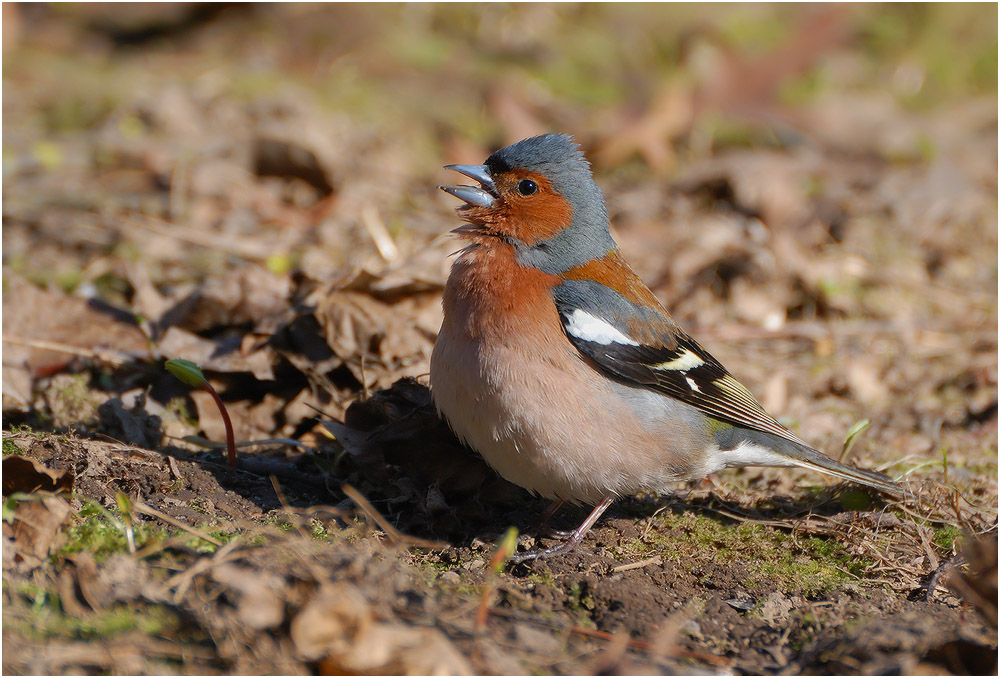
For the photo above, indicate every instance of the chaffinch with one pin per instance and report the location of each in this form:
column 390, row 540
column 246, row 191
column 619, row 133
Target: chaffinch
column 560, row 367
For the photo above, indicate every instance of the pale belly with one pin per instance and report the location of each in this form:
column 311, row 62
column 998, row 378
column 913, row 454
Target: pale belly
column 559, row 430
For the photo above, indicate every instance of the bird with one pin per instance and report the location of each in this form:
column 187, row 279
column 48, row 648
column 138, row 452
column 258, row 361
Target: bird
column 559, row 366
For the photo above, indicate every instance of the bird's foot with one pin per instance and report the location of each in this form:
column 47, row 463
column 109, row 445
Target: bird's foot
column 572, row 539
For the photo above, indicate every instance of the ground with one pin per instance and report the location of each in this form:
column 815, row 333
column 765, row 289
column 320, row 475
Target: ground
column 812, row 191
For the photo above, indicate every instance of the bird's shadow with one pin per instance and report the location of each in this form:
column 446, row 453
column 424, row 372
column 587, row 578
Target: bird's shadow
column 409, row 465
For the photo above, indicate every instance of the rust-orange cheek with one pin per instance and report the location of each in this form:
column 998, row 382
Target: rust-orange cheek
column 539, row 217
column 529, row 219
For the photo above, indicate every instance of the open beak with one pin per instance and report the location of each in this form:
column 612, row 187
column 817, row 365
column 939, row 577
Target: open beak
column 481, row 197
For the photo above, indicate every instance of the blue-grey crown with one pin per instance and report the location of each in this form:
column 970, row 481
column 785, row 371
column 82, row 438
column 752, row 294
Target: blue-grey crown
column 559, row 158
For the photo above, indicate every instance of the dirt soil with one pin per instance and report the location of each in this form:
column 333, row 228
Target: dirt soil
column 812, row 191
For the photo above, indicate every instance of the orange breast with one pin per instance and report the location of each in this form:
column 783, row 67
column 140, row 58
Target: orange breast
column 489, row 296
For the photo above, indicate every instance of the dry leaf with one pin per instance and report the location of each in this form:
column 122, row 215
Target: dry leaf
column 215, row 356
column 31, row 314
column 337, row 627
column 247, row 295
column 92, row 589
column 258, row 604
column 377, row 341
column 21, row 474
column 34, row 532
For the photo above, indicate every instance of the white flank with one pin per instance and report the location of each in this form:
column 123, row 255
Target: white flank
column 694, row 386
column 749, row 454
column 586, row 327
column 685, row 361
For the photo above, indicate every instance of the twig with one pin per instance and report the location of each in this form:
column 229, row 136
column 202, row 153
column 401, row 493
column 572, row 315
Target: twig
column 214, row 445
column 172, row 463
column 604, row 635
column 386, row 526
column 847, row 572
column 150, row 511
column 655, row 560
column 932, row 558
column 379, row 233
column 941, row 569
column 284, row 504
column 113, row 358
column 183, row 580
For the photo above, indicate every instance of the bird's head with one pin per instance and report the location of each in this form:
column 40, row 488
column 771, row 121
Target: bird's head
column 539, row 196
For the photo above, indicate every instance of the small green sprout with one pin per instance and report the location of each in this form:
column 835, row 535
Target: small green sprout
column 189, row 373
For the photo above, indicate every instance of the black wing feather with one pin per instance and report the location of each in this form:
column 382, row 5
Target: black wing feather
column 704, row 384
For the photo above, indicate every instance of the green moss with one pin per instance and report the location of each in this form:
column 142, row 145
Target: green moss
column 281, row 522
column 201, row 505
column 102, row 534
column 773, row 558
column 432, row 572
column 945, row 537
column 10, row 448
column 580, row 598
column 225, row 536
column 321, row 531
column 48, row 619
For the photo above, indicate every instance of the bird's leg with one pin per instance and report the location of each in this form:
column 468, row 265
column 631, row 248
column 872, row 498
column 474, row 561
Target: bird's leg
column 574, row 539
column 542, row 526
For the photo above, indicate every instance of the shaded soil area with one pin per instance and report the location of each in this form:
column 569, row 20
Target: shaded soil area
column 272, row 580
column 811, row 191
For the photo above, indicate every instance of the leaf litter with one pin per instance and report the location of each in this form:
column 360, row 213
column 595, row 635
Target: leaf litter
column 840, row 253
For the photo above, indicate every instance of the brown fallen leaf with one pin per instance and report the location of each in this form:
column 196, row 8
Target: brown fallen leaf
column 21, row 474
column 246, row 295
column 34, row 532
column 65, row 329
column 376, row 340
column 214, row 356
column 338, row 629
column 90, row 587
column 58, row 317
column 260, row 603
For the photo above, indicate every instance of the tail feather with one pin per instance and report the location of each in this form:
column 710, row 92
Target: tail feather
column 811, row 459
column 746, row 447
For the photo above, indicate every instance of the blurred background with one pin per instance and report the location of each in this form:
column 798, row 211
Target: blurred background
column 235, row 119
column 252, row 180
column 207, row 168
column 763, row 164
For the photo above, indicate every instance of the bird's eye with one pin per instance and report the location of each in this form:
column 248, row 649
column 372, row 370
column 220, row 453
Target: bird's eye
column 527, row 187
